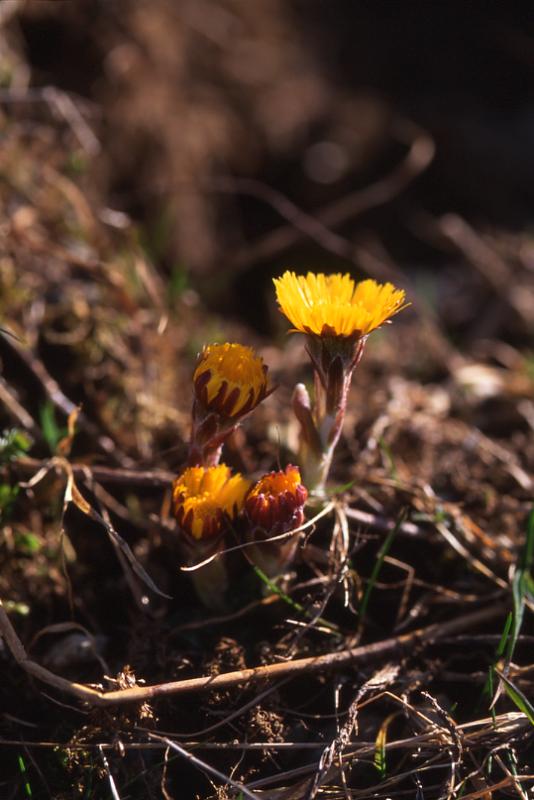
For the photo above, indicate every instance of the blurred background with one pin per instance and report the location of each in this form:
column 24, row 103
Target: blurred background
column 241, row 138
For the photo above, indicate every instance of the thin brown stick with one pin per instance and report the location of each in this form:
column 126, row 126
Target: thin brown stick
column 205, row 767
column 17, row 410
column 488, row 791
column 336, row 660
column 152, row 479
column 383, row 524
column 66, row 104
column 488, row 263
column 503, row 725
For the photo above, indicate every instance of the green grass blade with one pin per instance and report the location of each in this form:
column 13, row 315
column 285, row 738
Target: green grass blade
column 501, row 647
column 489, row 686
column 24, row 772
column 384, row 550
column 521, row 585
column 527, row 557
column 517, row 697
column 380, row 745
column 52, row 432
column 289, row 600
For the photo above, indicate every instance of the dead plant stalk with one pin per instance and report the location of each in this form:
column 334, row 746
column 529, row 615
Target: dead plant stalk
column 335, row 660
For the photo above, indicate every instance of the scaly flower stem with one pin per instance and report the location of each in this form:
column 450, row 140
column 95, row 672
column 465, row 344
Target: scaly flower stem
column 211, row 584
column 206, row 455
column 334, row 361
column 316, row 465
column 274, row 557
column 208, row 434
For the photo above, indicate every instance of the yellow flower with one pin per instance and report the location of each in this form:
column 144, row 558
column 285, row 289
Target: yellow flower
column 334, row 305
column 204, row 497
column 230, row 379
column 276, row 501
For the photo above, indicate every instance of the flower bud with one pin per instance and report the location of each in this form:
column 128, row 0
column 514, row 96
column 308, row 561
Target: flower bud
column 229, row 380
column 275, row 505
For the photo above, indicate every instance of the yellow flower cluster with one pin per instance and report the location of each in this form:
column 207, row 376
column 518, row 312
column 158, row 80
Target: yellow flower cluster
column 230, row 380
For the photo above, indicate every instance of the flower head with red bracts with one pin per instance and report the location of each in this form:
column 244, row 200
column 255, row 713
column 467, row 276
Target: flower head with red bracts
column 204, row 498
column 230, row 380
column 276, row 502
column 337, row 315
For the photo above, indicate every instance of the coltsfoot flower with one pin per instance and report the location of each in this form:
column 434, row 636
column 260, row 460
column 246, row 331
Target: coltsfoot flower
column 337, row 315
column 205, row 497
column 275, row 505
column 230, row 379
column 334, row 305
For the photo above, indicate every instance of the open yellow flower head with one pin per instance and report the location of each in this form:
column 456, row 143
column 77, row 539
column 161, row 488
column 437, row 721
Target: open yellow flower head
column 276, row 502
column 203, row 497
column 230, row 379
column 334, row 305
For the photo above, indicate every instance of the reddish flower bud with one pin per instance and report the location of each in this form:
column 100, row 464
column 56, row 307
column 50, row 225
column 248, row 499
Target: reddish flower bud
column 276, row 502
column 275, row 505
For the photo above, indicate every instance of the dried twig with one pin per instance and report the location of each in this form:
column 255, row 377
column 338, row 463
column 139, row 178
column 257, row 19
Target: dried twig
column 336, row 660
column 66, row 105
column 383, row 524
column 17, row 410
column 204, row 767
column 334, row 751
column 139, row 478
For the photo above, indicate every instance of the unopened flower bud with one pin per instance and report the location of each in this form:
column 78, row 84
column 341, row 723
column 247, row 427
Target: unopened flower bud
column 275, row 505
column 229, row 381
